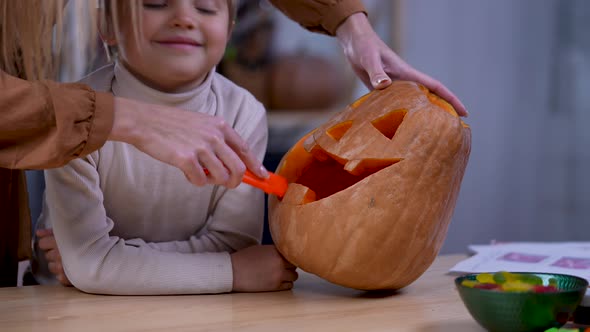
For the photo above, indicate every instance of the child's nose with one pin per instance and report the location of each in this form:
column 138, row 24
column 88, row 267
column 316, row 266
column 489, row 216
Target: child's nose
column 182, row 16
column 183, row 21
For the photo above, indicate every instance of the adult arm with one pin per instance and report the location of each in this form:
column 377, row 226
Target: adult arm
column 375, row 63
column 45, row 124
column 323, row 16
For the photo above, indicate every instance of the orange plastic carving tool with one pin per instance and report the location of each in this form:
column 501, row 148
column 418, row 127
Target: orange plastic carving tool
column 274, row 184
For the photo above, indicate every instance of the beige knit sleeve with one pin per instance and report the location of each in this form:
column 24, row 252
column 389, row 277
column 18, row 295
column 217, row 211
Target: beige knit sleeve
column 97, row 262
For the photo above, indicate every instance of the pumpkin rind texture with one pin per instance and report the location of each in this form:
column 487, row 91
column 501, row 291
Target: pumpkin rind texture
column 372, row 191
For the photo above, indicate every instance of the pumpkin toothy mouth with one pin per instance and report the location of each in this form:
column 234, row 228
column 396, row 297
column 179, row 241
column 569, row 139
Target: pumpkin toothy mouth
column 328, row 177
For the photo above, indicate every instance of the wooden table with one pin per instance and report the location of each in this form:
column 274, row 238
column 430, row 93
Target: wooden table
column 429, row 304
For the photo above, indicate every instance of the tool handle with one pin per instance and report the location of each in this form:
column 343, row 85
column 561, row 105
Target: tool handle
column 274, row 184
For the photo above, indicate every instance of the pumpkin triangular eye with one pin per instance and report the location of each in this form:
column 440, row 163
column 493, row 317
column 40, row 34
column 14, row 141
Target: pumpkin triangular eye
column 389, row 123
column 338, row 131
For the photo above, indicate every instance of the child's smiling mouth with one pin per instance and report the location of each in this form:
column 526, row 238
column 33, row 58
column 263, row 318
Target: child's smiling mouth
column 179, row 43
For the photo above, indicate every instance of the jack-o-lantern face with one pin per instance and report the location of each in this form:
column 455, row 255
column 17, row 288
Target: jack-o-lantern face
column 372, row 191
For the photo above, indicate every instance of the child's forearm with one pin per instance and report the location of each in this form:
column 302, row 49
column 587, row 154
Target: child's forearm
column 96, row 262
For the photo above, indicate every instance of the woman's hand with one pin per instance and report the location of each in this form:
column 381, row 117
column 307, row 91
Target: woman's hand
column 189, row 141
column 261, row 269
column 47, row 243
column 376, row 64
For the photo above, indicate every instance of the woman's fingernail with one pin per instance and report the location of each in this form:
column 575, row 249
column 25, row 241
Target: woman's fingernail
column 381, row 80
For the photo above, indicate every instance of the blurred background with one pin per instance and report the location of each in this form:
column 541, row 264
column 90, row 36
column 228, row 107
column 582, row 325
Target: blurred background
column 522, row 68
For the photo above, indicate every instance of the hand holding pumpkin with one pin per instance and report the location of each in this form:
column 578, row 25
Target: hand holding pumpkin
column 261, row 269
column 376, row 64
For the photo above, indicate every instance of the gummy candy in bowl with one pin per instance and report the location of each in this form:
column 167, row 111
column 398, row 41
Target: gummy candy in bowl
column 520, row 301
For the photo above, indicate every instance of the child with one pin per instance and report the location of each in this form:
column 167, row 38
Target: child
column 129, row 224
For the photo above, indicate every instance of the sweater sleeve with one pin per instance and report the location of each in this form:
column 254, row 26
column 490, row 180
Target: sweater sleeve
column 322, row 16
column 97, row 262
column 44, row 124
column 235, row 215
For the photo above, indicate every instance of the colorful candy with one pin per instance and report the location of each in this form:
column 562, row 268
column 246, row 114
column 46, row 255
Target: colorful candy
column 512, row 282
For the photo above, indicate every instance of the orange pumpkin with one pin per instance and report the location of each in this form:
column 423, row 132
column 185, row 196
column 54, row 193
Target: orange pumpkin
column 372, row 191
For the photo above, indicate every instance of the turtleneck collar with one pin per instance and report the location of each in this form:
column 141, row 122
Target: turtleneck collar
column 199, row 99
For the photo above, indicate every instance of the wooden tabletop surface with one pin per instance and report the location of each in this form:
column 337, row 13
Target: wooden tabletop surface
column 429, row 304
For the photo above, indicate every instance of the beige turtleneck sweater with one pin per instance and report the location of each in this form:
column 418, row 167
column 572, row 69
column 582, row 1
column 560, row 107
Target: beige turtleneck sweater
column 128, row 224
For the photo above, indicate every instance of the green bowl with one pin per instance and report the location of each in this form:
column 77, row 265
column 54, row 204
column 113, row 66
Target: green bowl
column 523, row 311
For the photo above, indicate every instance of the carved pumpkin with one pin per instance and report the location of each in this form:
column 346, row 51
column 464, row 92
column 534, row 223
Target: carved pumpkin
column 371, row 192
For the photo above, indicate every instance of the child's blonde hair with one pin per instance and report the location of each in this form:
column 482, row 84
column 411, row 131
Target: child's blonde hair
column 31, row 32
column 26, row 36
column 29, row 43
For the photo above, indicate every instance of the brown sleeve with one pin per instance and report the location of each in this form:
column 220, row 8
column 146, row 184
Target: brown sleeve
column 44, row 124
column 322, row 16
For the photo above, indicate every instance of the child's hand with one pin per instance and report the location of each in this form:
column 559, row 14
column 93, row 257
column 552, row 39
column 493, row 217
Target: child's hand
column 49, row 246
column 261, row 269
